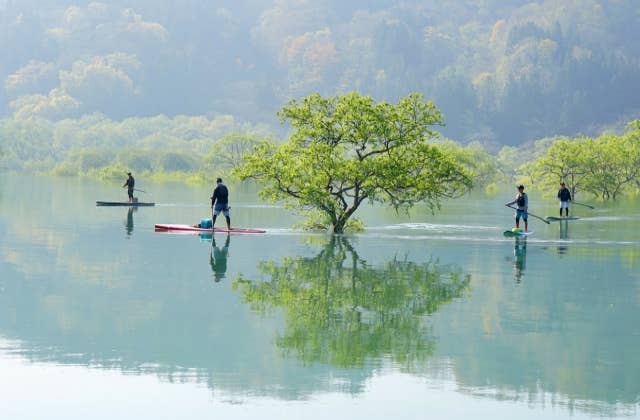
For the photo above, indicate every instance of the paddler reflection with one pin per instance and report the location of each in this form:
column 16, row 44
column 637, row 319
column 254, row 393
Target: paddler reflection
column 519, row 257
column 564, row 236
column 129, row 224
column 218, row 258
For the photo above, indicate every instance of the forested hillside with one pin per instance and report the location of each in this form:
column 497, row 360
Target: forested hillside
column 502, row 71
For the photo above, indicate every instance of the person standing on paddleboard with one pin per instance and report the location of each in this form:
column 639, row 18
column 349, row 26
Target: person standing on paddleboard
column 220, row 203
column 130, row 183
column 564, row 195
column 522, row 201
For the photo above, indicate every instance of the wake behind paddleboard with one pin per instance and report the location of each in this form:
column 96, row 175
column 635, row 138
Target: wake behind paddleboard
column 517, row 233
column 174, row 228
column 559, row 219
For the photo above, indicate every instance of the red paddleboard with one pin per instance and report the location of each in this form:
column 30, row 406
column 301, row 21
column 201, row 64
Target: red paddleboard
column 161, row 227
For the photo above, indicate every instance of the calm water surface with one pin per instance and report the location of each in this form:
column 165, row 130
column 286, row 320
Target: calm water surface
column 418, row 317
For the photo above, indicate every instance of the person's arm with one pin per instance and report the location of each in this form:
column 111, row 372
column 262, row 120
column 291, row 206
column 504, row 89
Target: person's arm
column 512, row 202
column 560, row 195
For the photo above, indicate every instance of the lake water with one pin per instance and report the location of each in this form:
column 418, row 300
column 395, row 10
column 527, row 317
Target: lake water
column 427, row 316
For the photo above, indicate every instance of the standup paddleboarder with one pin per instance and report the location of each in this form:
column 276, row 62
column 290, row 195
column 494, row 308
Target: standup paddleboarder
column 522, row 201
column 564, row 195
column 220, row 203
column 130, row 183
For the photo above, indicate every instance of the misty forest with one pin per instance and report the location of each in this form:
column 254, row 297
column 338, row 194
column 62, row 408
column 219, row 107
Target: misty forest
column 180, row 90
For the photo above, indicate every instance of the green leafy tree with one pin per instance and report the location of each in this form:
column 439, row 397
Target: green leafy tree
column 341, row 310
column 175, row 161
column 229, row 151
column 564, row 161
column 348, row 149
column 605, row 166
column 479, row 164
column 613, row 163
column 136, row 159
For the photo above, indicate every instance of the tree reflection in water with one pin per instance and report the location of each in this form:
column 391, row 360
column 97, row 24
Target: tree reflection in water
column 341, row 310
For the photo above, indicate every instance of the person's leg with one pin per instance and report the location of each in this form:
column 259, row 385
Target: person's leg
column 561, row 209
column 526, row 224
column 566, row 210
column 517, row 221
column 227, row 217
column 213, row 217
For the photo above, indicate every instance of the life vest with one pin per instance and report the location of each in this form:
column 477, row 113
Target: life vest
column 520, row 201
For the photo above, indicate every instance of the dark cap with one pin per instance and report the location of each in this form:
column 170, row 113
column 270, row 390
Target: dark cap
column 128, row 173
column 219, row 180
column 521, row 187
column 562, row 183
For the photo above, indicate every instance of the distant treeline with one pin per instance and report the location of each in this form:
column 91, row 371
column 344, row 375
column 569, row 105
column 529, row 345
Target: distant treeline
column 197, row 149
column 180, row 148
column 502, row 71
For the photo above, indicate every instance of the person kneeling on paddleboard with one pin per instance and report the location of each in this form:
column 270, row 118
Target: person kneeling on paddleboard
column 220, row 203
column 522, row 201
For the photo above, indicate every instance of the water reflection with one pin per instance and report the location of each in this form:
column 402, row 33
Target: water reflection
column 341, row 310
column 564, row 235
column 570, row 335
column 162, row 321
column 218, row 258
column 519, row 258
column 129, row 223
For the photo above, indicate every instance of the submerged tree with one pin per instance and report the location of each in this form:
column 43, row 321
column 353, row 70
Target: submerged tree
column 341, row 310
column 348, row 149
column 229, row 151
column 613, row 164
column 564, row 161
column 605, row 166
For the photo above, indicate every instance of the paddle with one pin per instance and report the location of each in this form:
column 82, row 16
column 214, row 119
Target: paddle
column 581, row 204
column 135, row 189
column 531, row 214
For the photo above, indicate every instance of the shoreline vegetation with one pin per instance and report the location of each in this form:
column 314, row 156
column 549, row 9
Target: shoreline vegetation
column 341, row 152
column 162, row 149
column 196, row 149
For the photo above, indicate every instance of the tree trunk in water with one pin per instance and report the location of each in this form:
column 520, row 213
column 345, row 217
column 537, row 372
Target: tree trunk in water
column 338, row 226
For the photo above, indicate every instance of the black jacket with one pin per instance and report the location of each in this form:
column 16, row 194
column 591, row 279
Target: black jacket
column 564, row 194
column 220, row 195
